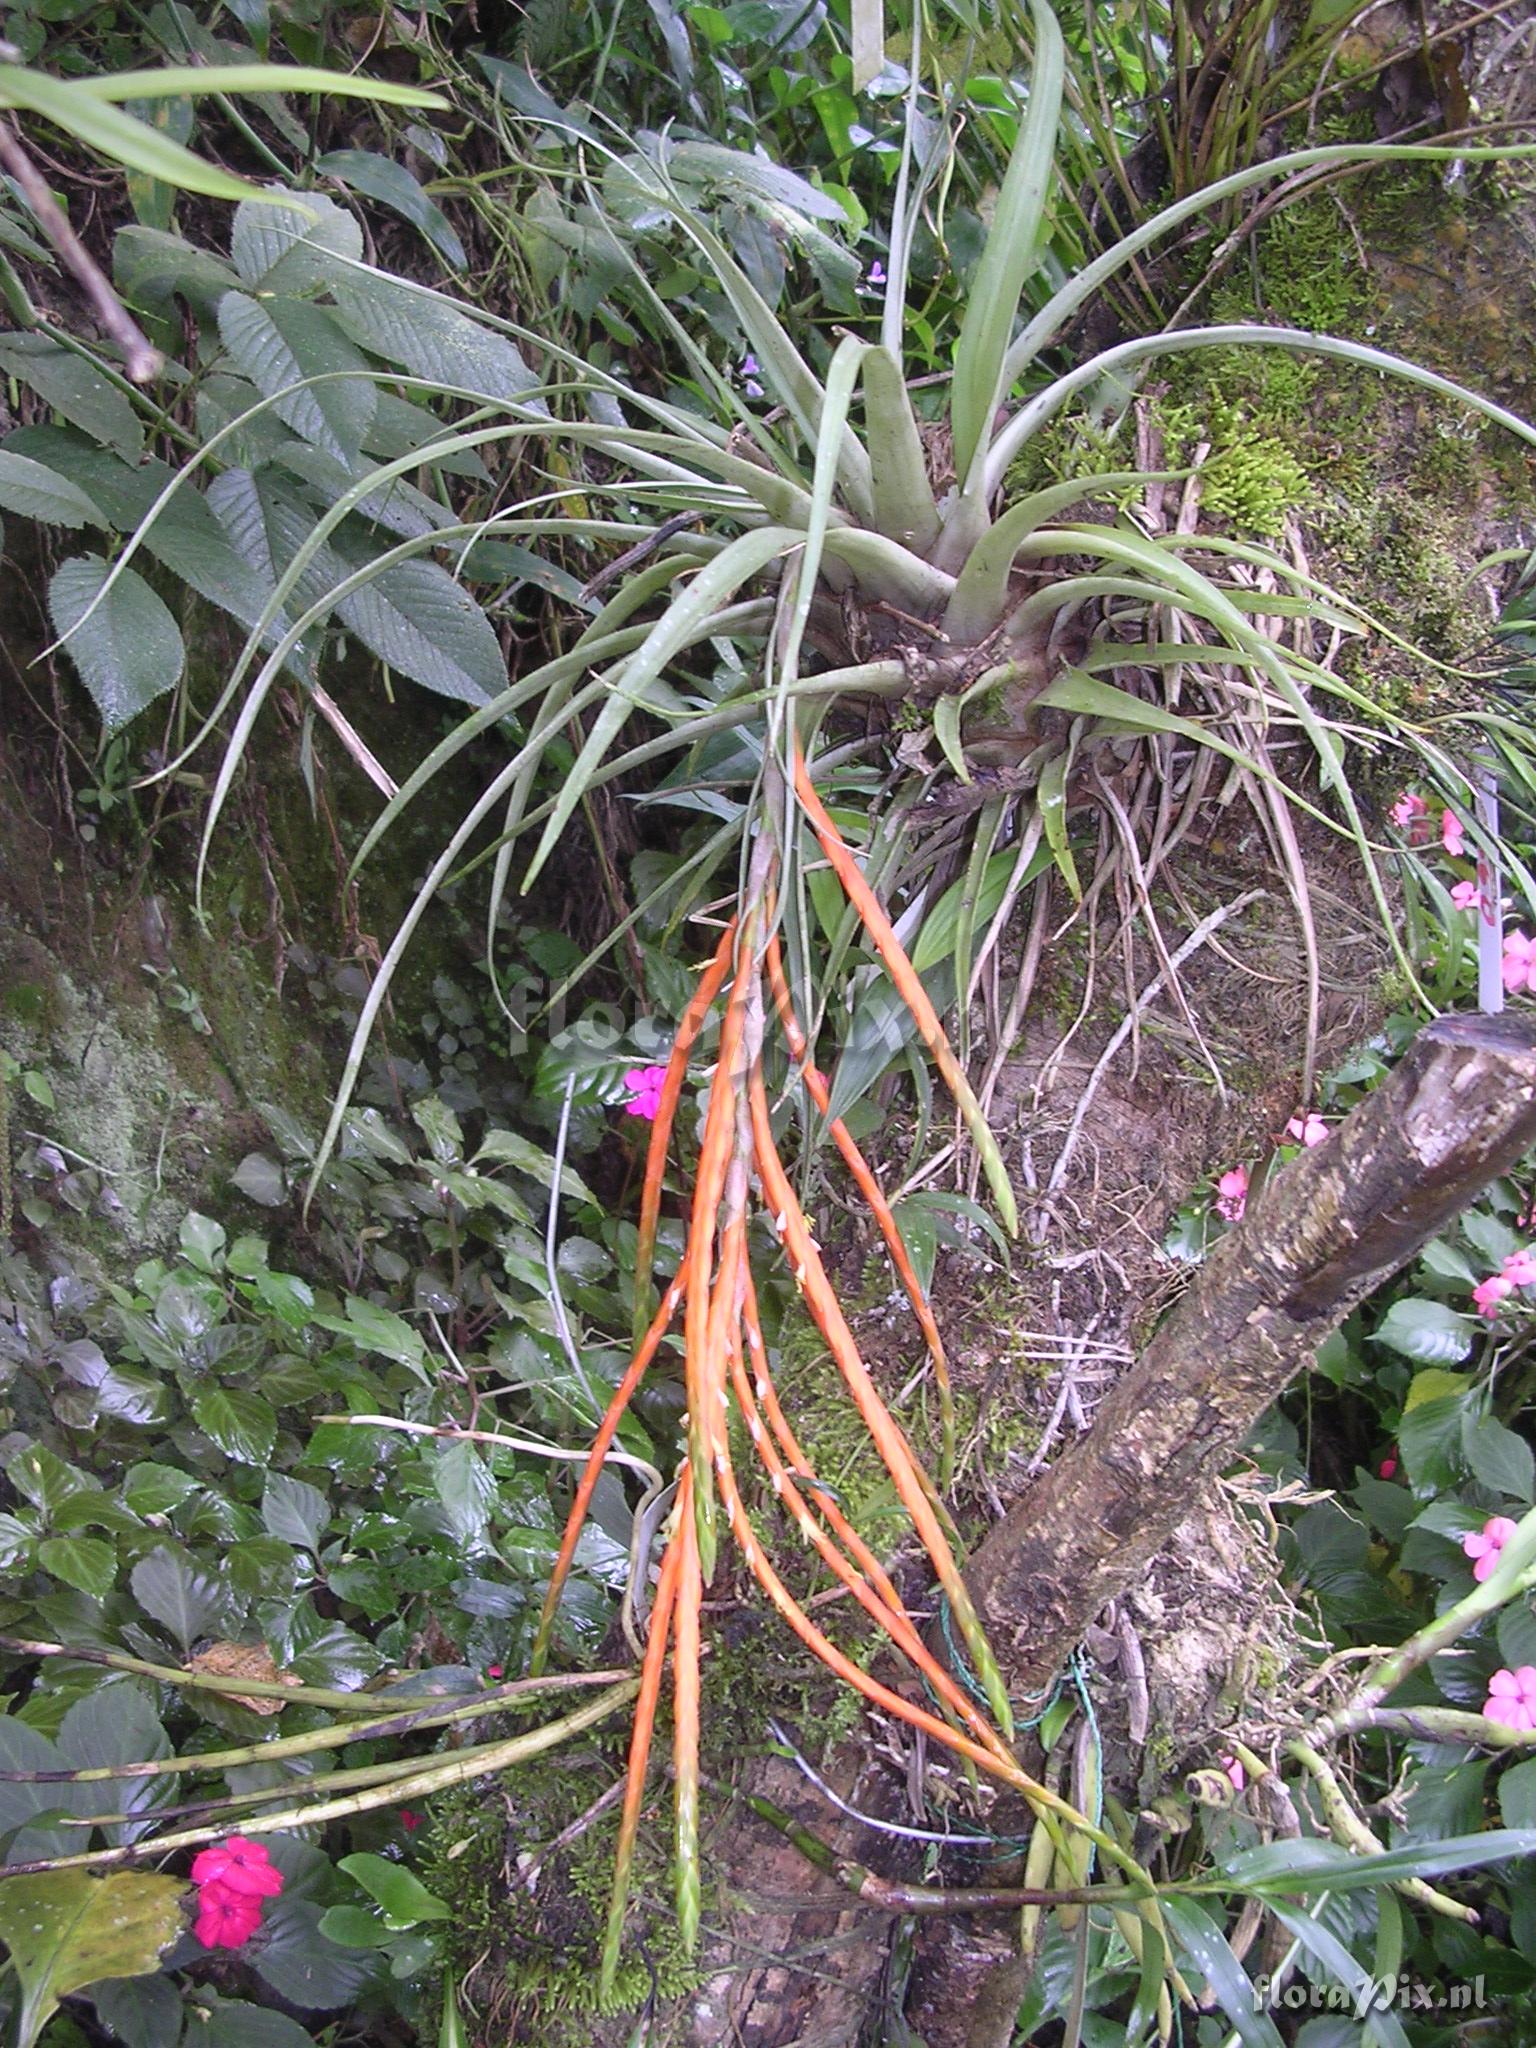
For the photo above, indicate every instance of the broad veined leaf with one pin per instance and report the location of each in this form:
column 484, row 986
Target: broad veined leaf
column 128, row 651
column 87, row 1563
column 291, row 246
column 214, row 2022
column 76, row 390
column 152, row 269
column 178, row 1594
column 66, row 1929
column 397, row 506
column 300, row 1964
column 294, row 1511
column 37, row 492
column 277, row 342
column 1426, row 1331
column 414, row 616
column 428, row 338
column 381, row 178
column 510, row 1148
column 242, row 1424
column 141, row 2012
column 186, row 535
column 267, row 521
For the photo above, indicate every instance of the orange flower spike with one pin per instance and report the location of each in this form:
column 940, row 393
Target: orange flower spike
column 811, row 1278
column 887, row 1613
column 874, row 1195
column 821, row 1499
column 910, row 989
column 992, row 1756
column 607, row 1429
column 689, row 1027
column 640, row 1734
column 685, row 1726
column 715, row 1151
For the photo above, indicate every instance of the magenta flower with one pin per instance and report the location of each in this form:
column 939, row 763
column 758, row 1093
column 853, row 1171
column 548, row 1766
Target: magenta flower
column 1511, row 1698
column 1519, row 1270
column 874, row 278
column 232, row 1879
column 1232, row 1194
column 1307, row 1129
column 1519, row 964
column 1453, row 834
column 1234, row 1772
column 1408, row 810
column 1485, row 1545
column 644, row 1085
column 1464, row 895
column 1387, row 1469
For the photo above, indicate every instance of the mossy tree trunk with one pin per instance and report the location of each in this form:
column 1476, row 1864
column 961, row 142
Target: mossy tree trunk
column 1455, row 1112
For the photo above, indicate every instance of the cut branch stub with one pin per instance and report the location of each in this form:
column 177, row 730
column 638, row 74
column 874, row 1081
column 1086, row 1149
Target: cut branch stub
column 1458, row 1110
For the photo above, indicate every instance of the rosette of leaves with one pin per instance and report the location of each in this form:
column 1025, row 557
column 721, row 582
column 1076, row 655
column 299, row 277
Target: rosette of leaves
column 844, row 550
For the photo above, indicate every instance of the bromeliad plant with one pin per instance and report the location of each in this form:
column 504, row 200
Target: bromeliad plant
column 846, row 553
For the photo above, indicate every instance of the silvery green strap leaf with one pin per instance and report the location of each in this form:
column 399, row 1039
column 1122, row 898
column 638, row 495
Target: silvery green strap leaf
column 128, row 651
column 107, row 131
column 1382, row 2025
column 1199, row 1938
column 715, row 583
column 898, row 468
column 981, row 588
column 868, row 42
column 1031, row 417
column 841, row 375
column 1080, row 288
column 1011, row 252
column 188, row 81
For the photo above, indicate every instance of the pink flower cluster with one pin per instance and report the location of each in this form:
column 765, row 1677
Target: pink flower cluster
column 1512, row 1698
column 1232, row 1194
column 644, row 1085
column 232, row 1879
column 1411, row 815
column 1519, row 1271
column 1485, row 1546
column 1307, row 1129
column 1519, row 964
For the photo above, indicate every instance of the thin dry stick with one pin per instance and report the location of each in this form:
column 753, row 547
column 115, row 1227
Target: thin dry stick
column 142, row 361
column 1149, row 994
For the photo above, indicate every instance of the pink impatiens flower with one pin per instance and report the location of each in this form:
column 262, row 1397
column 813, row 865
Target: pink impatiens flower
column 1307, row 1129
column 1387, row 1469
column 1519, row 1270
column 1485, row 1545
column 1519, row 964
column 1453, row 834
column 1511, row 1698
column 644, row 1085
column 1232, row 1194
column 232, row 1879
column 1464, row 895
column 1408, row 809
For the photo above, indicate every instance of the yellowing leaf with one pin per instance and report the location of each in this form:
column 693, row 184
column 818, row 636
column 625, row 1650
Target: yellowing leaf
column 65, row 1929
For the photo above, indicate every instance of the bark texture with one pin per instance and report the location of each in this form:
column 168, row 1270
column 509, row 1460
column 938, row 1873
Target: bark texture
column 1457, row 1110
